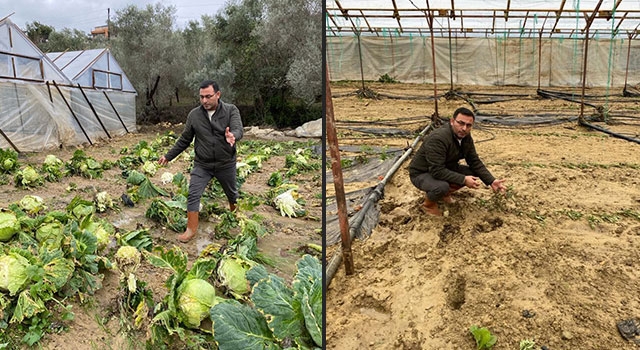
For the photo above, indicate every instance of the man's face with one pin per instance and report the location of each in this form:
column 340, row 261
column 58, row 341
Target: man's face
column 209, row 98
column 461, row 125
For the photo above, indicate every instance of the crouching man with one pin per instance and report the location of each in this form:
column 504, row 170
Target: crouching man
column 435, row 168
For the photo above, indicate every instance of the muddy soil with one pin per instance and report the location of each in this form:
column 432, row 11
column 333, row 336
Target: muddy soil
column 555, row 261
column 97, row 321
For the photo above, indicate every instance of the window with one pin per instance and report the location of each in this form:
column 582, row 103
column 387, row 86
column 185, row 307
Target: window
column 21, row 67
column 106, row 80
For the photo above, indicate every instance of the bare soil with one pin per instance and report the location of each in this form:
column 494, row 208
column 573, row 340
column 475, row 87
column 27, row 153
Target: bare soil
column 555, row 261
column 97, row 323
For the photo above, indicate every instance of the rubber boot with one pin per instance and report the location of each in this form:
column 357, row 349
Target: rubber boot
column 192, row 227
column 430, row 207
column 232, row 206
column 447, row 197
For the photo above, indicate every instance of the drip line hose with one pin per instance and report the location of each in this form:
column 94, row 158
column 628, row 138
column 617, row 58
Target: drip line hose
column 614, row 134
column 372, row 199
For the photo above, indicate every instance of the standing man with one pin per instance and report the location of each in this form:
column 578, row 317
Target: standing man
column 435, row 168
column 216, row 126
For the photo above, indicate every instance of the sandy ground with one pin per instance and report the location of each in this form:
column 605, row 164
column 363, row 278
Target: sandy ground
column 556, row 260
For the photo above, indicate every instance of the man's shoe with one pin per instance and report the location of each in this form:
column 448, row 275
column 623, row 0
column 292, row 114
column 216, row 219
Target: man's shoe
column 192, row 227
column 448, row 199
column 430, row 208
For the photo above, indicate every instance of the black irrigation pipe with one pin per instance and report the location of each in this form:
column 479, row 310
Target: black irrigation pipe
column 614, row 134
column 389, row 123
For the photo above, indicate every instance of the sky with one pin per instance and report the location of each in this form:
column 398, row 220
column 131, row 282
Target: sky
column 88, row 14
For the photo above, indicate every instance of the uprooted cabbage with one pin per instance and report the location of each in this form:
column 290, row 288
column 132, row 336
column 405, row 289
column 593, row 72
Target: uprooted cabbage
column 195, row 298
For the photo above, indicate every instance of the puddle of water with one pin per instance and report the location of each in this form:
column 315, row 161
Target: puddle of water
column 372, row 313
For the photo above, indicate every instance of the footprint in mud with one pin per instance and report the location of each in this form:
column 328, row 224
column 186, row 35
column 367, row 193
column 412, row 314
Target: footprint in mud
column 447, row 234
column 488, row 225
column 455, row 291
column 410, row 339
column 373, row 300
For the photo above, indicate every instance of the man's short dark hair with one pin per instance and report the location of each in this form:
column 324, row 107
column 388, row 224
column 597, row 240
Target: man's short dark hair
column 205, row 84
column 465, row 111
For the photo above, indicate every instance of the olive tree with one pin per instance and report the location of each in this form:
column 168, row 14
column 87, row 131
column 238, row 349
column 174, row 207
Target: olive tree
column 148, row 49
column 294, row 27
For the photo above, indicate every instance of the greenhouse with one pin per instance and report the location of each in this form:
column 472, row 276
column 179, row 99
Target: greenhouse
column 47, row 105
column 553, row 89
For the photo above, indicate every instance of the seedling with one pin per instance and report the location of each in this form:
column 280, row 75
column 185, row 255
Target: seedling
column 484, row 338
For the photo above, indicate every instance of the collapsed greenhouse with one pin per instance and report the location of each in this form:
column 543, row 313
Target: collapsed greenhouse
column 554, row 89
column 59, row 99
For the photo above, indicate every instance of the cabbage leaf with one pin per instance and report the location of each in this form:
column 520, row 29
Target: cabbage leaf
column 237, row 326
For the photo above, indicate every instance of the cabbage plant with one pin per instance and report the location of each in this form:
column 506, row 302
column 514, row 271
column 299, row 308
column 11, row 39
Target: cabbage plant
column 195, row 298
column 53, row 168
column 32, row 204
column 282, row 313
column 13, row 272
column 190, row 295
column 28, row 177
column 9, row 226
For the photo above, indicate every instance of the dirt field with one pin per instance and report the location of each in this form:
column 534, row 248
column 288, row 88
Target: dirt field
column 97, row 323
column 555, row 261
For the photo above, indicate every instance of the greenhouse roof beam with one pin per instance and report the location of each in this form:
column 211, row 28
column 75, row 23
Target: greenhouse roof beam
column 397, row 17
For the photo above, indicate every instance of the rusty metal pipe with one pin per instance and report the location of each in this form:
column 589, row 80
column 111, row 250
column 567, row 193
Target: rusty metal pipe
column 338, row 182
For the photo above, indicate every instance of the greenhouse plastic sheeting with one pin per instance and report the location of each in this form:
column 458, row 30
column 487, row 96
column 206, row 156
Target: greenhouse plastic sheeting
column 35, row 117
column 483, row 61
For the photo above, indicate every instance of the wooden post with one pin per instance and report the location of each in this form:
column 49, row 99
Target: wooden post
column 336, row 169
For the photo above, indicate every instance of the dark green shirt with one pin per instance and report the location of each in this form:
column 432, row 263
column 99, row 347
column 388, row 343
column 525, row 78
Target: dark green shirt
column 211, row 147
column 439, row 156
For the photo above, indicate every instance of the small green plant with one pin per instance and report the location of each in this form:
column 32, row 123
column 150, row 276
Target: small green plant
column 484, row 338
column 527, row 344
column 386, row 78
column 572, row 214
column 345, row 163
column 384, row 154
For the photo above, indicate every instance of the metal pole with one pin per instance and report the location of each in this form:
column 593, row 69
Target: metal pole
column 336, row 169
column 361, row 70
column 72, row 112
column 626, row 72
column 434, row 118
column 584, row 76
column 450, row 55
column 539, row 57
column 371, row 200
column 93, row 110
column 115, row 110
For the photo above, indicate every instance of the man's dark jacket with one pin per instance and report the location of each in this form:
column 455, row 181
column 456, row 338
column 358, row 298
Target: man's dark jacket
column 211, row 147
column 439, row 156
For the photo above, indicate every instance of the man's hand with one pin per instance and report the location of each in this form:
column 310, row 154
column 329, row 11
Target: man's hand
column 471, row 181
column 498, row 185
column 163, row 161
column 231, row 138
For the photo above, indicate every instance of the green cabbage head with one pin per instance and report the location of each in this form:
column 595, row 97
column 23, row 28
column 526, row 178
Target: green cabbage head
column 195, row 298
column 9, row 225
column 50, row 235
column 233, row 275
column 32, row 204
column 13, row 272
